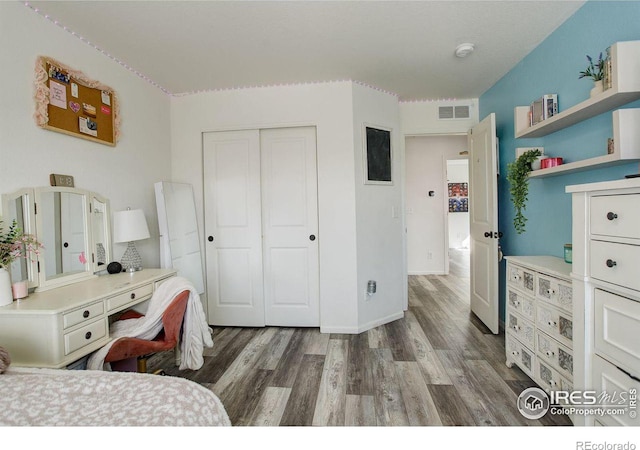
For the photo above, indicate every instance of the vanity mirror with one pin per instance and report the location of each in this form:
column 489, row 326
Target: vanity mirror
column 72, row 224
column 19, row 206
column 62, row 226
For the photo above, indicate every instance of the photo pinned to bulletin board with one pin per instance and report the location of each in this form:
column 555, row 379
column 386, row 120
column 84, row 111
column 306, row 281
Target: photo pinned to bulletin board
column 69, row 102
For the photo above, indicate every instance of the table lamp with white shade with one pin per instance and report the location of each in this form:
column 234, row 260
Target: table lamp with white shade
column 129, row 226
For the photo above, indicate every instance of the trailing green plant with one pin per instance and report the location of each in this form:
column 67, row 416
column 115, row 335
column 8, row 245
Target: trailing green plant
column 595, row 70
column 518, row 178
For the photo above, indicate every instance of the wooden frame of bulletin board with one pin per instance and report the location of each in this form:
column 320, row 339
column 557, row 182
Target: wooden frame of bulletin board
column 69, row 102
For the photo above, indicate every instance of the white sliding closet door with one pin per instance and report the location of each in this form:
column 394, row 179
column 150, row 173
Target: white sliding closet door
column 233, row 228
column 290, row 226
column 261, row 217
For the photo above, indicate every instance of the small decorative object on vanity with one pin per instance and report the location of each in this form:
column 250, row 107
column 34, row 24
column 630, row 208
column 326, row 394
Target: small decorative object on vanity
column 20, row 289
column 114, row 267
column 14, row 245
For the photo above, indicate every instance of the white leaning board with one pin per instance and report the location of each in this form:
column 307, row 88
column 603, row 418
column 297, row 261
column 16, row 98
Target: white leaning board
column 179, row 235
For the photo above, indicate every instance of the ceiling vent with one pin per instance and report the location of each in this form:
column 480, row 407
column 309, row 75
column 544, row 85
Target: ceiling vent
column 453, row 112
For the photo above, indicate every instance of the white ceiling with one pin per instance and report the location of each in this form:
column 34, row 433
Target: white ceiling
column 404, row 47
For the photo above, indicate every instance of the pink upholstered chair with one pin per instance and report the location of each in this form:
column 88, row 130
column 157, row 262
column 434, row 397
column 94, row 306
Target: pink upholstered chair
column 126, row 351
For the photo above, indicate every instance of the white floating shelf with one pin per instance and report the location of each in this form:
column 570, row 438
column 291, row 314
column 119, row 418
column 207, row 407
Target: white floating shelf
column 625, row 59
column 626, row 147
column 577, row 166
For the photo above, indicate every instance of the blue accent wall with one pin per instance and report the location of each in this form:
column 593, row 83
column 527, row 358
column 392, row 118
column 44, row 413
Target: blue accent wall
column 553, row 67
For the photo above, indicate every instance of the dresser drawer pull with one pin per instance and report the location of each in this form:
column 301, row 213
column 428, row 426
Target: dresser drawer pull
column 516, row 278
column 611, row 263
column 516, row 327
column 515, row 353
column 612, row 216
column 551, row 323
column 85, row 314
column 87, row 335
column 516, row 303
column 550, row 291
column 133, row 295
column 550, row 353
column 553, row 383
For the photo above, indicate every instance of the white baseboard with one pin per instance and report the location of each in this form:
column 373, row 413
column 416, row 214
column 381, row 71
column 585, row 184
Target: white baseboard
column 426, row 273
column 364, row 327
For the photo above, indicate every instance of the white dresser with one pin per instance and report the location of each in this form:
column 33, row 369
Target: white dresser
column 606, row 280
column 57, row 327
column 538, row 319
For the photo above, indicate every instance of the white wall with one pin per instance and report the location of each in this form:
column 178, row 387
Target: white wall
column 28, row 154
column 379, row 217
column 427, row 249
column 328, row 106
column 458, row 172
column 420, row 118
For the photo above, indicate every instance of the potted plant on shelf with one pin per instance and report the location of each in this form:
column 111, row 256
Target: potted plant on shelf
column 518, row 178
column 595, row 71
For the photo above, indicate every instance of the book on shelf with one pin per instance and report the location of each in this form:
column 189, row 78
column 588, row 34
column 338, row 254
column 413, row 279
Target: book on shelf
column 607, row 79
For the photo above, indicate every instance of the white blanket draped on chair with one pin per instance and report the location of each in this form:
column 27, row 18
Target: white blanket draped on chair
column 196, row 333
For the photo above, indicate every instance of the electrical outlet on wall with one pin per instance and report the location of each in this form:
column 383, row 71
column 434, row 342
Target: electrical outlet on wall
column 429, row 256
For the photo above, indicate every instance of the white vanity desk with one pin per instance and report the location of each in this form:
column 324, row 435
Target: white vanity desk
column 56, row 327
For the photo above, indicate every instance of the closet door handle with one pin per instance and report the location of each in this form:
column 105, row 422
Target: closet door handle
column 312, row 237
column 210, row 239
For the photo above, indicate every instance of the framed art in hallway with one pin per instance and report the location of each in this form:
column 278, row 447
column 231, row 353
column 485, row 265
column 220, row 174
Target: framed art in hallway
column 378, row 157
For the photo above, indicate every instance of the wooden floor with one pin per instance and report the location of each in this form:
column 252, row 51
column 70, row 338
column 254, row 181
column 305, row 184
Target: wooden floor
column 439, row 365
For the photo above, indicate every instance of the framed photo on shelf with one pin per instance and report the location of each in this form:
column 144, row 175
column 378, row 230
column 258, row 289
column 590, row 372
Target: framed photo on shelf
column 377, row 155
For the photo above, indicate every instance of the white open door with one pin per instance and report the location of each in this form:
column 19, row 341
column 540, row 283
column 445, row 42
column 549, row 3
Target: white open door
column 483, row 222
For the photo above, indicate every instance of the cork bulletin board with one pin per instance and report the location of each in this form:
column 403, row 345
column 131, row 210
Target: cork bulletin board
column 69, row 102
